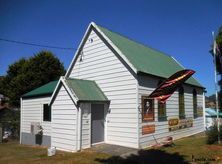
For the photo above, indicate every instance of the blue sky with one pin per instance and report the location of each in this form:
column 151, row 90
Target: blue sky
column 181, row 29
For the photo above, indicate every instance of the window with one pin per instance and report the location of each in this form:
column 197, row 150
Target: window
column 46, row 112
column 161, row 109
column 181, row 103
column 147, row 109
column 195, row 103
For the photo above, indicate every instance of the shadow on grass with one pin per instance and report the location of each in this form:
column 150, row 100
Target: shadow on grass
column 146, row 156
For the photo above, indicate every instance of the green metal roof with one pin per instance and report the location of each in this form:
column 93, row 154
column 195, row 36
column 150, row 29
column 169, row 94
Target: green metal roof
column 46, row 89
column 86, row 90
column 145, row 59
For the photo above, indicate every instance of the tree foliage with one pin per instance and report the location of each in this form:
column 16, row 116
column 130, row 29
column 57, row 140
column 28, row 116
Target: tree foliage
column 219, row 51
column 218, row 62
column 9, row 121
column 219, row 39
column 27, row 74
column 213, row 134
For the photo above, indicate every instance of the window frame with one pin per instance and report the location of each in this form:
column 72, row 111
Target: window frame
column 46, row 113
column 181, row 103
column 161, row 111
column 149, row 117
column 161, row 108
column 195, row 113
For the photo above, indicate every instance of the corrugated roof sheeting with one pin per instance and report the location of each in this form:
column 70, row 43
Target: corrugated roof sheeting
column 86, row 90
column 46, row 89
column 145, row 59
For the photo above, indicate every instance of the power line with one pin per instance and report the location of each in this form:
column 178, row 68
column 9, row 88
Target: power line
column 37, row 45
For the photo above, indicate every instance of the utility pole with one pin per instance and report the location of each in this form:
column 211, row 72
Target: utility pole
column 216, row 86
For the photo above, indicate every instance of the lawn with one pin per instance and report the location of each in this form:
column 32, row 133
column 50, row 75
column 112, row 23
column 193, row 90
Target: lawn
column 183, row 151
column 196, row 147
column 14, row 153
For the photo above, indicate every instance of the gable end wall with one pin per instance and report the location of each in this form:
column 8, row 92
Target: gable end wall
column 64, row 122
column 100, row 64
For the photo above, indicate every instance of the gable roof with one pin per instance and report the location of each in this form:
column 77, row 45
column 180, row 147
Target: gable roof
column 146, row 59
column 44, row 90
column 140, row 58
column 86, row 90
column 80, row 90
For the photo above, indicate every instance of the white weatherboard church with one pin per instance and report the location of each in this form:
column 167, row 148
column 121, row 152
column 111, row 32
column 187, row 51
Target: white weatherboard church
column 103, row 98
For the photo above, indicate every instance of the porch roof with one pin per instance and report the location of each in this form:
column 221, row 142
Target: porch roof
column 86, row 90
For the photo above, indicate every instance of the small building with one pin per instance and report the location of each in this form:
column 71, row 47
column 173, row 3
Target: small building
column 35, row 111
column 103, row 98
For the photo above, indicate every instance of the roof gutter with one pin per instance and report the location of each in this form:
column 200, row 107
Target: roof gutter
column 93, row 101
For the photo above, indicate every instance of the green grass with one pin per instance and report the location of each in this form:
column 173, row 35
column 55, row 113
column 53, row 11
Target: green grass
column 181, row 152
column 196, row 146
column 14, row 153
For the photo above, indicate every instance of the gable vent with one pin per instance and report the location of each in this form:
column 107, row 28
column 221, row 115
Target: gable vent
column 90, row 40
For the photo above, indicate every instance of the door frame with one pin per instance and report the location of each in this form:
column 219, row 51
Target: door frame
column 105, row 122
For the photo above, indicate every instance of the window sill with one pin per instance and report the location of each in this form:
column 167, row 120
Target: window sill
column 47, row 121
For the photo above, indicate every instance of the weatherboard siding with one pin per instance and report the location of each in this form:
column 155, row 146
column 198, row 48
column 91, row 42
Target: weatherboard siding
column 86, row 123
column 64, row 122
column 100, row 64
column 145, row 87
column 32, row 111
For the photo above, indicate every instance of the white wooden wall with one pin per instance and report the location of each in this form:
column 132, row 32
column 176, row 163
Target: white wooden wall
column 32, row 111
column 86, row 124
column 64, row 122
column 145, row 87
column 101, row 64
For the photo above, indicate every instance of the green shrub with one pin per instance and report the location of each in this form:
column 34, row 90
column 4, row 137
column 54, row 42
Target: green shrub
column 212, row 134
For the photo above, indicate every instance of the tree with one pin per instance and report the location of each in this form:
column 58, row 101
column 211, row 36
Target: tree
column 219, row 39
column 9, row 121
column 219, row 51
column 219, row 64
column 28, row 74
